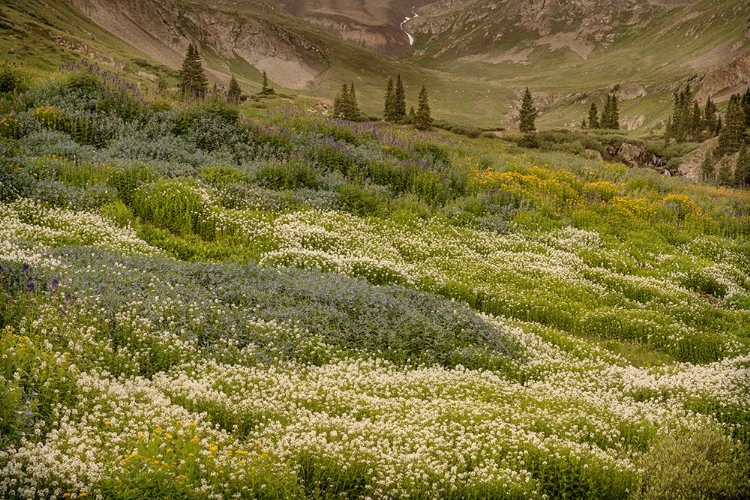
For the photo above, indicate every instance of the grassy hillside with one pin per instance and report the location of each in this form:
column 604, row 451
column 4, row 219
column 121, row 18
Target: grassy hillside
column 199, row 305
column 472, row 79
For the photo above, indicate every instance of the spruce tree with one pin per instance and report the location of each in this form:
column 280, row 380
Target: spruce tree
column 193, row 81
column 593, row 116
column 614, row 116
column 528, row 113
column 746, row 107
column 423, row 118
column 389, row 111
column 709, row 117
column 707, row 166
column 345, row 104
column 742, row 168
column 731, row 135
column 725, row 177
column 583, row 123
column 234, row 93
column 399, row 100
column 606, row 114
column 696, row 125
column 266, row 88
column 412, row 118
column 354, row 112
column 341, row 103
column 668, row 131
column 682, row 122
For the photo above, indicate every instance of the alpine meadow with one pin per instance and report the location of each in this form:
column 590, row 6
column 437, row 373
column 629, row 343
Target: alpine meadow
column 340, row 249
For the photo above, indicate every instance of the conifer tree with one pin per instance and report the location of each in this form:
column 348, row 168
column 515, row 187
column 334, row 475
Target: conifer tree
column 354, row 112
column 606, row 114
column 610, row 115
column 412, row 118
column 725, row 177
column 583, row 123
column 696, row 125
column 742, row 168
column 668, row 131
column 399, row 100
column 341, row 102
column 709, row 117
column 707, row 166
column 423, row 117
column 731, row 135
column 614, row 113
column 746, row 107
column 234, row 93
column 266, row 88
column 193, row 81
column 593, row 116
column 345, row 104
column 389, row 111
column 528, row 113
column 682, row 115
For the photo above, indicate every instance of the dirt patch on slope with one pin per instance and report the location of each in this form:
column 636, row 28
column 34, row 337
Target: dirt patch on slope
column 573, row 41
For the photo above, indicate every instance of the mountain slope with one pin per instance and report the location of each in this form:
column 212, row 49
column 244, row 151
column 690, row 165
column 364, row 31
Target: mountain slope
column 475, row 56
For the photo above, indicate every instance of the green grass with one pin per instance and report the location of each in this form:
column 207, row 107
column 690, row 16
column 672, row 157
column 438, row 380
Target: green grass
column 202, row 304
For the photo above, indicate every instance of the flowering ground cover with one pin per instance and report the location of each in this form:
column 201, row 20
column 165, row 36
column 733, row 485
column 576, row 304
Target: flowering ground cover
column 198, row 305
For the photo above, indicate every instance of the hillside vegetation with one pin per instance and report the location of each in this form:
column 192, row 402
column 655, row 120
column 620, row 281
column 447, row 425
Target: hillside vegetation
column 197, row 304
column 475, row 56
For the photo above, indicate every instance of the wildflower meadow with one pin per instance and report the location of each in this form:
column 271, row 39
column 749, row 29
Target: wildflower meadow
column 197, row 303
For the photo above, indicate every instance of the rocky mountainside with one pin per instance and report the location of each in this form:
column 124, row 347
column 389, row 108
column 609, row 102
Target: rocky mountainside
column 375, row 24
column 164, row 28
column 668, row 37
column 476, row 56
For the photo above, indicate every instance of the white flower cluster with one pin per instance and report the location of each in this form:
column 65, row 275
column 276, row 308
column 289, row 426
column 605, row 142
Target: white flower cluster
column 31, row 221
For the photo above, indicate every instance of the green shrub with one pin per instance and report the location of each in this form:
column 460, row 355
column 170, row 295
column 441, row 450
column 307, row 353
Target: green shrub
column 173, row 204
column 363, row 200
column 698, row 464
column 287, row 175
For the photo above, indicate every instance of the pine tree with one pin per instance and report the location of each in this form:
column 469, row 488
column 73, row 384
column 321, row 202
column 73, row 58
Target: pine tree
column 725, row 177
column 668, row 131
column 696, row 124
column 606, row 114
column 746, row 107
column 593, row 116
column 345, row 104
column 709, row 117
column 682, row 115
column 412, row 118
column 423, row 118
column 731, row 135
column 614, row 116
column 341, row 102
column 266, row 88
column 193, row 81
column 389, row 111
column 234, row 94
column 707, row 166
column 742, row 168
column 400, row 100
column 528, row 113
column 583, row 123
column 354, row 112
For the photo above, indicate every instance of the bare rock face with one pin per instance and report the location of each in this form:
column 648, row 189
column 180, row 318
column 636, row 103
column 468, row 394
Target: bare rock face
column 727, row 79
column 375, row 24
column 632, row 154
column 159, row 28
